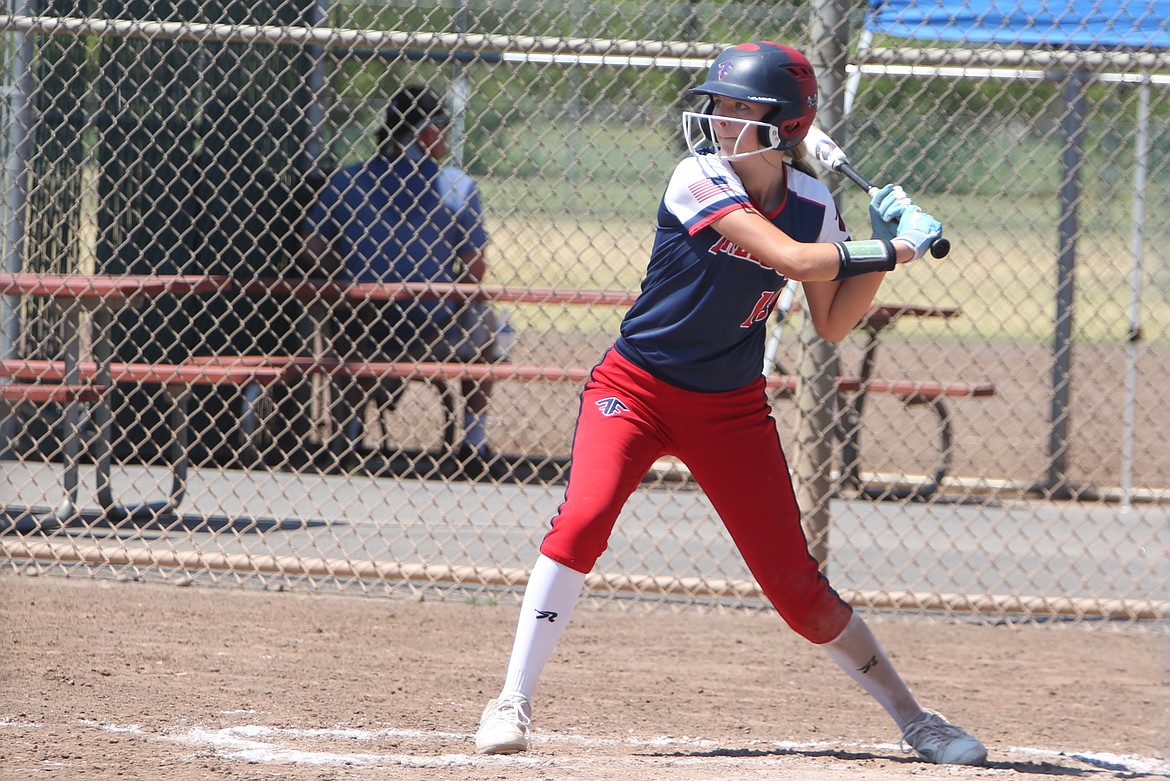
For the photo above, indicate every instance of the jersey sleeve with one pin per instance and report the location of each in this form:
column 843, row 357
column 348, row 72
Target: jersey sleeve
column 833, row 227
column 461, row 196
column 701, row 190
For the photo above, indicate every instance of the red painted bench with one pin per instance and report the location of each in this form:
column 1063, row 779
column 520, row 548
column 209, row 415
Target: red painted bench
column 41, row 381
column 854, row 388
column 910, row 392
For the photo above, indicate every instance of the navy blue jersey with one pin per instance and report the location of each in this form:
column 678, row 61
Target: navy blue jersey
column 700, row 320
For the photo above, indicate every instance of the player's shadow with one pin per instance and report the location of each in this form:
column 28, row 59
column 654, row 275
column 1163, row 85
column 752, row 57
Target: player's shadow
column 1034, row 768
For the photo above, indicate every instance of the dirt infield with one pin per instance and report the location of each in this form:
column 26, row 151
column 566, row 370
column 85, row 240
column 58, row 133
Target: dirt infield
column 107, row 680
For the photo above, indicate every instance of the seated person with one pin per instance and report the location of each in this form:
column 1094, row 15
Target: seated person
column 402, row 216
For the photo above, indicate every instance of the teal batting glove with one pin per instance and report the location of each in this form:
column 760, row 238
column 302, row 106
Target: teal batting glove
column 917, row 230
column 885, row 208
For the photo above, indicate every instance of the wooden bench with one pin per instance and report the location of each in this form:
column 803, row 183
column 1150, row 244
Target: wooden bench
column 43, row 381
column 909, row 392
column 439, row 375
column 253, row 373
column 853, row 390
column 50, row 393
column 259, row 371
column 323, row 294
column 65, row 381
column 13, row 395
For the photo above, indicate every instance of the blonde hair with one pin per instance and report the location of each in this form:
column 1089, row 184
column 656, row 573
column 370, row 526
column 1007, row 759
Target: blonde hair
column 801, row 162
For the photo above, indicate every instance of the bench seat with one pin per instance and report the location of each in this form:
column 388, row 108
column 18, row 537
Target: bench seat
column 50, row 392
column 907, row 390
column 218, row 371
column 45, row 380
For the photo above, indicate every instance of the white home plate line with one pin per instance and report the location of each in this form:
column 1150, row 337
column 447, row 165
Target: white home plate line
column 260, row 744
column 1124, row 764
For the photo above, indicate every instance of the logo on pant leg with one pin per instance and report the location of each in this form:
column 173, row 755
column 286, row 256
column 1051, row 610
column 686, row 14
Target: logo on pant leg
column 551, row 615
column 611, row 406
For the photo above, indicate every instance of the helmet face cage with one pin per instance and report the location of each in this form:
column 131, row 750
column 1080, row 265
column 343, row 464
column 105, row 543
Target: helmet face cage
column 773, row 74
column 700, row 135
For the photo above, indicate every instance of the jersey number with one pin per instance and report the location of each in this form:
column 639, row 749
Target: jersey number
column 762, row 308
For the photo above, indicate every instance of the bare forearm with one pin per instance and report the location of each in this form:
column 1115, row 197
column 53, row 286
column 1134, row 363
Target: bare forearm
column 474, row 266
column 750, row 232
column 837, row 307
column 802, row 261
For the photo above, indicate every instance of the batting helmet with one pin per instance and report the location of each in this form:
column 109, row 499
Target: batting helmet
column 771, row 73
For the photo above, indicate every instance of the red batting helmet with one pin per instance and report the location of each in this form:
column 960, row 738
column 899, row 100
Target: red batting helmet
column 771, row 73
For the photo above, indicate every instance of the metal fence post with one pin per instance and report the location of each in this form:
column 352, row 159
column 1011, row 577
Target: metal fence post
column 18, row 86
column 1072, row 161
column 829, row 30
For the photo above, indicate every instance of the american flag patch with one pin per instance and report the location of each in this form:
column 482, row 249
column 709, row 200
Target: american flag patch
column 709, row 189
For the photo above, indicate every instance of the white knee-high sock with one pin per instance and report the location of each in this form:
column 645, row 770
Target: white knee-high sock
column 549, row 599
column 860, row 655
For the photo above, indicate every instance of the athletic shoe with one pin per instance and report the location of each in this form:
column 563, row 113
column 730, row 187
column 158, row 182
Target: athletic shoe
column 937, row 740
column 503, row 727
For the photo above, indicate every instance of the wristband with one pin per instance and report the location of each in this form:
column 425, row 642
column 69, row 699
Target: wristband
column 864, row 257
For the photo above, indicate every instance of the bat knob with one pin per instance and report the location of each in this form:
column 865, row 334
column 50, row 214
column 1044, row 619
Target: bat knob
column 941, row 248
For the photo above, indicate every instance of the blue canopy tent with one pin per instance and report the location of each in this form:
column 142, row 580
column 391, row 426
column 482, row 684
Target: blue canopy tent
column 1046, row 30
column 1126, row 25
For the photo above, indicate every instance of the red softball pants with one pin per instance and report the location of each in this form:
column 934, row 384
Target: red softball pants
column 628, row 419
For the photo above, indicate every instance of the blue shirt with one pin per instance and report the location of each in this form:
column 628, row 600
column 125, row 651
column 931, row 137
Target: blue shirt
column 404, row 219
column 700, row 320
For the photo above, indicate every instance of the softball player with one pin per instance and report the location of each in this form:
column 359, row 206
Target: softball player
column 740, row 214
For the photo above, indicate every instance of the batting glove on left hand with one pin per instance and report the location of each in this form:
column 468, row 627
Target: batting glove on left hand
column 885, row 208
column 917, row 230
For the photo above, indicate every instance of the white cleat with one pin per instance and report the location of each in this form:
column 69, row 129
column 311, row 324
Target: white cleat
column 503, row 727
column 937, row 740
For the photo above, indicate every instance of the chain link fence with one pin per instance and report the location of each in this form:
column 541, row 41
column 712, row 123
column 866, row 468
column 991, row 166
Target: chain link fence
column 165, row 339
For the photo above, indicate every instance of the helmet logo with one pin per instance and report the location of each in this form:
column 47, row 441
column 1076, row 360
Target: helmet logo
column 811, row 101
column 723, row 69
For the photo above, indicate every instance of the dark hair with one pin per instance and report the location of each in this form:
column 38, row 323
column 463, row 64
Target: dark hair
column 410, row 109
